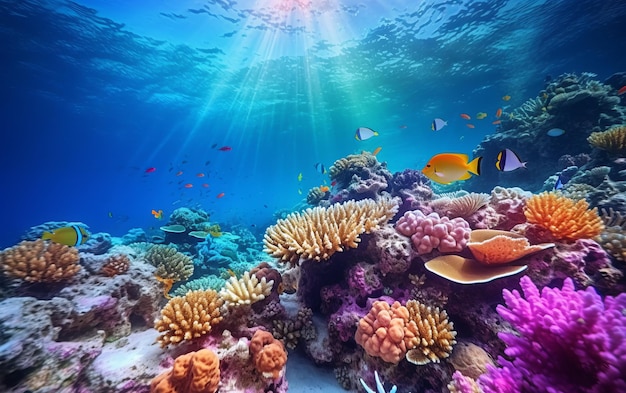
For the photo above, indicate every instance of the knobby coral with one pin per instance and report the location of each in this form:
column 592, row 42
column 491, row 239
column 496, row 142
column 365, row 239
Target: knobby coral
column 246, row 290
column 40, row 261
column 429, row 232
column 194, row 372
column 566, row 341
column 381, row 332
column 432, row 335
column 188, row 317
column 564, row 218
column 269, row 354
column 612, row 140
column 116, row 264
column 169, row 262
column 319, row 232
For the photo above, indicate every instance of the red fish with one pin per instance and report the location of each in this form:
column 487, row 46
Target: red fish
column 465, row 116
column 205, row 185
column 188, row 185
column 225, row 148
column 221, row 194
column 333, row 183
column 179, row 173
column 470, row 125
column 496, row 122
column 151, row 169
column 499, row 113
column 200, row 175
column 621, row 91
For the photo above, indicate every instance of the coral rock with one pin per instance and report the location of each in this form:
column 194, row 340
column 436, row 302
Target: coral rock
column 195, row 372
column 40, row 261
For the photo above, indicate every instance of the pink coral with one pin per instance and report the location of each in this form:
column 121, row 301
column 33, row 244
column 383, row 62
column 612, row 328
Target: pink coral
column 429, row 232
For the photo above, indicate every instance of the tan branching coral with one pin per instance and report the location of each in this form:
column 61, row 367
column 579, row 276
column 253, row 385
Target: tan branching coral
column 169, row 262
column 40, row 261
column 612, row 140
column 431, row 336
column 187, row 317
column 116, row 264
column 564, row 218
column 319, row 232
column 246, row 290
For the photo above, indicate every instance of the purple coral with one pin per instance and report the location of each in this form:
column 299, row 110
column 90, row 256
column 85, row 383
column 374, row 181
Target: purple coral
column 568, row 341
column 429, row 232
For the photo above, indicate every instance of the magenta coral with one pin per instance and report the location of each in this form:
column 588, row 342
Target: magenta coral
column 567, row 341
column 429, row 232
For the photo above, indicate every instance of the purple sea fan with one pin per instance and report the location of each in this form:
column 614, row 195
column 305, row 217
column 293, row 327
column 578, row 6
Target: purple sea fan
column 568, row 341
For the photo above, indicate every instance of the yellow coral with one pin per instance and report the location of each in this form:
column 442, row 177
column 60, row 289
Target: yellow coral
column 319, row 232
column 429, row 335
column 565, row 218
column 40, row 261
column 169, row 262
column 247, row 290
column 612, row 140
column 187, row 317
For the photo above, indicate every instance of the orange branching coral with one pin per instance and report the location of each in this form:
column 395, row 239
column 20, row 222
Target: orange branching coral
column 320, row 232
column 381, row 332
column 116, row 264
column 188, row 317
column 564, row 218
column 612, row 140
column 429, row 335
column 269, row 354
column 194, row 372
column 40, row 261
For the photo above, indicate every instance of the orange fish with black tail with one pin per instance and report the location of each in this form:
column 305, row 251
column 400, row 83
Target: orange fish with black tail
column 446, row 168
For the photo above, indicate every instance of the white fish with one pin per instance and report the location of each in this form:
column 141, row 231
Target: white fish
column 364, row 133
column 438, row 124
column 509, row 161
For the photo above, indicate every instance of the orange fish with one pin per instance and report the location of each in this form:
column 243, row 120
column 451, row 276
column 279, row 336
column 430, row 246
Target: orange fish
column 499, row 113
column 179, row 173
column 470, row 125
column 621, row 91
column 465, row 116
column 324, row 188
column 506, row 97
column 200, row 175
column 157, row 214
column 377, row 150
column 221, row 194
column 496, row 122
column 205, row 185
column 188, row 185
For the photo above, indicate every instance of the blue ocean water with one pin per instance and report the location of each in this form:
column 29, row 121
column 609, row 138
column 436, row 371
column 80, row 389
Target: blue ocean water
column 96, row 92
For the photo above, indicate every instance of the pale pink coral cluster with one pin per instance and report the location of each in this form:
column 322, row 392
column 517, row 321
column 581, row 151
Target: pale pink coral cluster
column 430, row 232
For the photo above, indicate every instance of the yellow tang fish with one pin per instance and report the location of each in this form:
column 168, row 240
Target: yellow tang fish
column 446, row 168
column 72, row 235
column 481, row 115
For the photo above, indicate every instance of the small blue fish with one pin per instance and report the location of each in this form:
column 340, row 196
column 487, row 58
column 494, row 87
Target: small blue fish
column 438, row 124
column 319, row 167
column 364, row 133
column 555, row 132
column 509, row 161
column 559, row 184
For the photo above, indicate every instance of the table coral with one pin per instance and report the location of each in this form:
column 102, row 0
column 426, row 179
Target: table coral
column 430, row 232
column 187, row 317
column 246, row 290
column 566, row 341
column 40, row 261
column 269, row 354
column 195, row 372
column 318, row 233
column 564, row 218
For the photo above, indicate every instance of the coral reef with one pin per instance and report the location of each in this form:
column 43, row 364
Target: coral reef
column 40, row 261
column 432, row 335
column 195, row 372
column 381, row 332
column 320, row 232
column 246, row 290
column 187, row 317
column 269, row 355
column 470, row 360
column 429, row 232
column 612, row 140
column 169, row 262
column 359, row 176
column 116, row 264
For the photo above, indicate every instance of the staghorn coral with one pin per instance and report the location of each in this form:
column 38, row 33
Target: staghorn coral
column 269, row 355
column 612, row 140
column 564, row 218
column 246, row 290
column 40, row 261
column 187, row 317
column 381, row 332
column 194, row 372
column 318, row 233
column 431, row 336
column 116, row 264
column 169, row 262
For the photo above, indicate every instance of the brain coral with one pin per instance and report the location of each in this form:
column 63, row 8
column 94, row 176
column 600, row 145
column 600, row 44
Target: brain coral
column 188, row 317
column 40, row 261
column 564, row 218
column 429, row 232
column 319, row 232
column 381, row 332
